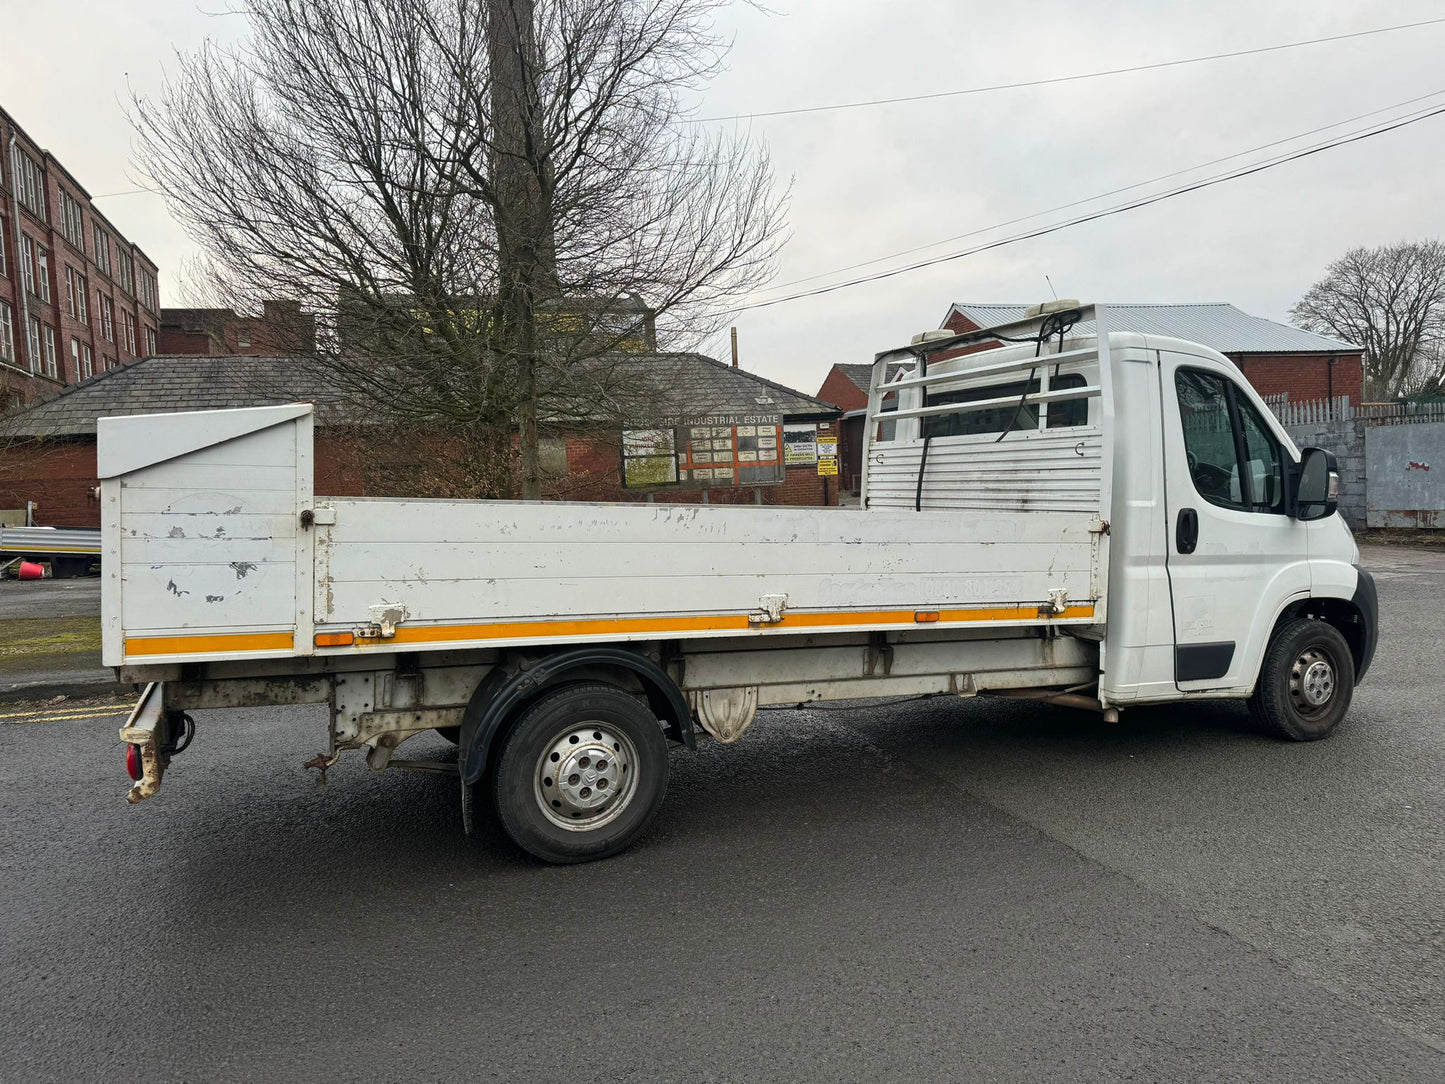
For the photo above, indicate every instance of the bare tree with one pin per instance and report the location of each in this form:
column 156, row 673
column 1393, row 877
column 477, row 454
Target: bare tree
column 482, row 199
column 1390, row 301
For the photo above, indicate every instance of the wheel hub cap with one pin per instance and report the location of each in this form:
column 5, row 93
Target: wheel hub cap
column 1312, row 679
column 586, row 778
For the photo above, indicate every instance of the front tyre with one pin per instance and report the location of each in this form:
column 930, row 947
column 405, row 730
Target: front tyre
column 580, row 774
column 1306, row 682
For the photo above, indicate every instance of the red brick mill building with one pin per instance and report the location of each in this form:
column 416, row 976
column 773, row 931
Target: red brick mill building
column 76, row 297
column 729, row 449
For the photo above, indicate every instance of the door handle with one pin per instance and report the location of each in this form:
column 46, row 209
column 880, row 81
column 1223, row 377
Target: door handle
column 1186, row 530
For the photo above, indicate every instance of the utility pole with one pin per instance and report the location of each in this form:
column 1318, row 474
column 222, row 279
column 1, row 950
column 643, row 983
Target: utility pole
column 526, row 244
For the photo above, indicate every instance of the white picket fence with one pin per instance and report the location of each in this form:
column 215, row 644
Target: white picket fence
column 1340, row 409
column 1311, row 411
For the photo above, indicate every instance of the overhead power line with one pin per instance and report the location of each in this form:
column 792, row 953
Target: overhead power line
column 872, row 102
column 1143, row 201
column 1111, row 192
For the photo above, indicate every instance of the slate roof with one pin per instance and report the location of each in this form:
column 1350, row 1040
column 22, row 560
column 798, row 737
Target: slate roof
column 861, row 374
column 183, row 382
column 1218, row 325
column 713, row 386
column 175, row 382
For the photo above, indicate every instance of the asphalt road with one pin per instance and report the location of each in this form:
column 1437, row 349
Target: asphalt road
column 77, row 597
column 929, row 891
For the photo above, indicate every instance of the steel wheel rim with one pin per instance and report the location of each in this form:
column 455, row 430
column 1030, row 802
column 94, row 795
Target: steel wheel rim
column 1312, row 681
column 586, row 777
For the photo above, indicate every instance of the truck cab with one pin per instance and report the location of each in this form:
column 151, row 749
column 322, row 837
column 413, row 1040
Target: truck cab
column 1221, row 534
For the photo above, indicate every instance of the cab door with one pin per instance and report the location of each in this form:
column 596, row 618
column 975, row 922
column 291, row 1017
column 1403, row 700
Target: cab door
column 1236, row 555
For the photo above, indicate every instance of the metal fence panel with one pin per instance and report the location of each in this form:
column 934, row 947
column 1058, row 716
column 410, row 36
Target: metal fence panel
column 1405, row 475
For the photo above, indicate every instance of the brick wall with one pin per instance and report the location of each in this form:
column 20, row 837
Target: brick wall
column 1304, row 376
column 1347, row 440
column 58, row 475
column 839, row 390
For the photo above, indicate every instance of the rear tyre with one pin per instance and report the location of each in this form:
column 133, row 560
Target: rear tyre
column 580, row 774
column 1306, row 682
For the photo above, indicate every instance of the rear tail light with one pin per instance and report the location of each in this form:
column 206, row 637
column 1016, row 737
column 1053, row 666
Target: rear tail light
column 134, row 765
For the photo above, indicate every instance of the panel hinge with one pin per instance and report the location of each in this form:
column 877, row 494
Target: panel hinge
column 384, row 620
column 770, row 610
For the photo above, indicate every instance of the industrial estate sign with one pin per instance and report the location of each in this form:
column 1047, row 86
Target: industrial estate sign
column 720, row 450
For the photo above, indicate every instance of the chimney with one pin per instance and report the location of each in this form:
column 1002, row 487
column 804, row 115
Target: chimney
column 735, row 348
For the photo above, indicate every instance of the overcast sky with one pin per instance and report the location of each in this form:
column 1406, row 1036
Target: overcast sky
column 870, row 182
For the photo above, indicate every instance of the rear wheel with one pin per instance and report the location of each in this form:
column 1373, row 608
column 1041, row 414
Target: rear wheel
column 580, row 774
column 1306, row 682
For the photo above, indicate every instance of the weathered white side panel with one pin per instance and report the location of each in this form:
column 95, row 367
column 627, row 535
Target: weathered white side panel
column 454, row 562
column 208, row 541
column 1050, row 471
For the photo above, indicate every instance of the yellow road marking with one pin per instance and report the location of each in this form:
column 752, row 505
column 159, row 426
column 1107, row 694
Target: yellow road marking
column 58, row 717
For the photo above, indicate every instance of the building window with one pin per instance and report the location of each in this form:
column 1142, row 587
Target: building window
column 75, row 354
column 50, row 361
column 150, row 340
column 75, row 297
column 42, row 273
column 107, row 316
column 27, row 182
column 4, row 233
column 146, row 283
column 107, row 362
column 7, row 336
column 71, row 224
column 128, row 327
column 33, row 344
column 87, row 363
column 102, row 247
column 125, row 268
column 27, row 262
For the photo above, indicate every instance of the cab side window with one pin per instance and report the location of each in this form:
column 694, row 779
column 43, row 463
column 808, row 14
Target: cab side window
column 1234, row 460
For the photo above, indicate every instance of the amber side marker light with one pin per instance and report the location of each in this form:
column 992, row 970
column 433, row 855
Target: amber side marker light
column 335, row 639
column 923, row 617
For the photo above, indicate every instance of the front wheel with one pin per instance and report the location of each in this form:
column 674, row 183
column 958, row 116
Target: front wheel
column 580, row 774
column 1306, row 682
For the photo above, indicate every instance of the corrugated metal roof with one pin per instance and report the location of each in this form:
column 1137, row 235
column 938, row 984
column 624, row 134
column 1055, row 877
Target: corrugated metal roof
column 1218, row 325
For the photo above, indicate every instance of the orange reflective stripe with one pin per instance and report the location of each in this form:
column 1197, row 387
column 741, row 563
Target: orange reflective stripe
column 612, row 626
column 197, row 645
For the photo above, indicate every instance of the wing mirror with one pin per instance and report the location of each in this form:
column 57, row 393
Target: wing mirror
column 1317, row 485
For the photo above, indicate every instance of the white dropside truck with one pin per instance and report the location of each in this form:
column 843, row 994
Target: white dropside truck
column 1083, row 517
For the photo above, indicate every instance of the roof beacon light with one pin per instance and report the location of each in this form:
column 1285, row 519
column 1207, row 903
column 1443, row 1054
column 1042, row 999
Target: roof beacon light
column 1043, row 308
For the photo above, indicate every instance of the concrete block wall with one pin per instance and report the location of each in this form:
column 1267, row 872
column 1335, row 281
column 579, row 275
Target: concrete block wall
column 1347, row 440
